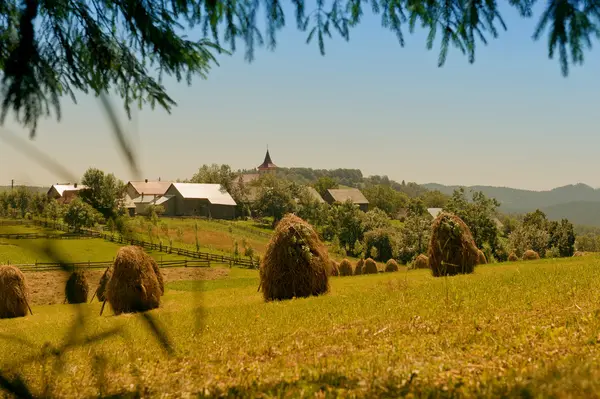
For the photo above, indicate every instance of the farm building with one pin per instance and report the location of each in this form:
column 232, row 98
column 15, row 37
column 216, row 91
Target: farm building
column 193, row 199
column 315, row 194
column 434, row 212
column 344, row 194
column 147, row 188
column 64, row 193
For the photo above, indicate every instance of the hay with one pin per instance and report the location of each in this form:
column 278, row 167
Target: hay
column 159, row 276
column 335, row 268
column 296, row 262
column 13, row 293
column 77, row 288
column 345, row 268
column 513, row 257
column 370, row 267
column 481, row 260
column 452, row 250
column 359, row 267
column 391, row 266
column 531, row 255
column 101, row 291
column 579, row 253
column 134, row 285
column 421, row 262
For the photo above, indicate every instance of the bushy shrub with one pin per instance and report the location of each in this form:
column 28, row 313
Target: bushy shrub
column 384, row 240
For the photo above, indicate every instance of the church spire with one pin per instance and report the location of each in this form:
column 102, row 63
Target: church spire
column 267, row 164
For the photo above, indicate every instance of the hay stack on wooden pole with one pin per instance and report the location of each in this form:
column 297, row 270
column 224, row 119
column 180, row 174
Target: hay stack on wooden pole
column 359, row 267
column 101, row 290
column 452, row 250
column 296, row 263
column 512, row 257
column 134, row 285
column 421, row 262
column 345, row 268
column 531, row 255
column 77, row 288
column 391, row 266
column 481, row 259
column 13, row 293
column 370, row 267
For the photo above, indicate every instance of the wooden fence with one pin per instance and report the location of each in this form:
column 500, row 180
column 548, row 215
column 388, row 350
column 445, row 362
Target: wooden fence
column 89, row 233
column 51, row 266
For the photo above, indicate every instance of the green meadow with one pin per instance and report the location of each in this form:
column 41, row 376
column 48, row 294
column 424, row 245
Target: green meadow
column 525, row 329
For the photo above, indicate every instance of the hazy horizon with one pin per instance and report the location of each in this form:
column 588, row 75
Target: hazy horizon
column 509, row 120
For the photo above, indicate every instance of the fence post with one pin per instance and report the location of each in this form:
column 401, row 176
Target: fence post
column 185, row 263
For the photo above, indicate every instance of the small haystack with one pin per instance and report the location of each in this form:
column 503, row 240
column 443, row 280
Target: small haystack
column 296, row 263
column 345, row 268
column 134, row 285
column 481, row 260
column 13, row 293
column 531, row 255
column 579, row 253
column 370, row 267
column 513, row 257
column 452, row 250
column 77, row 288
column 335, row 268
column 101, row 291
column 359, row 267
column 421, row 262
column 391, row 266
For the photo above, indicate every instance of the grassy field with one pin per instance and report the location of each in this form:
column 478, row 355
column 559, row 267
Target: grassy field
column 72, row 250
column 509, row 330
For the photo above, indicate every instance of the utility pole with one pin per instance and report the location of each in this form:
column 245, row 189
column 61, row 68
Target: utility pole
column 12, row 184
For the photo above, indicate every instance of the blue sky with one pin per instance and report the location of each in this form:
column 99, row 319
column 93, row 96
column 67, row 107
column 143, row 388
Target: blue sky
column 510, row 119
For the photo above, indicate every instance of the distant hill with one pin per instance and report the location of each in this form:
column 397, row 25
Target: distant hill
column 579, row 203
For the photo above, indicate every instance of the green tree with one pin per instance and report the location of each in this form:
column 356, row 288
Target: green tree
column 375, row 219
column 104, row 192
column 52, row 49
column 478, row 214
column 385, row 198
column 383, row 243
column 345, row 221
column 434, row 199
column 325, row 183
column 80, row 214
column 414, row 238
column 53, row 211
column 276, row 197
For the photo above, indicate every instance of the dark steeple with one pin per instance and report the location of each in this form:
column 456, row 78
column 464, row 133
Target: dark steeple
column 267, row 163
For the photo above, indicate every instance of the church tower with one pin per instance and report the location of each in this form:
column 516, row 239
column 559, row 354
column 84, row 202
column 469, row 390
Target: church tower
column 267, row 166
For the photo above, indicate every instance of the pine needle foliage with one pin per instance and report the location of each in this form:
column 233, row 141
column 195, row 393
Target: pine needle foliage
column 49, row 49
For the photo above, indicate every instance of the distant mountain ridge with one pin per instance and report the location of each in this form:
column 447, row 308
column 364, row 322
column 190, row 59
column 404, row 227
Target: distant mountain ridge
column 579, row 203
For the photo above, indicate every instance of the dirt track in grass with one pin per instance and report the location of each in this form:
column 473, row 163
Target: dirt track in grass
column 48, row 288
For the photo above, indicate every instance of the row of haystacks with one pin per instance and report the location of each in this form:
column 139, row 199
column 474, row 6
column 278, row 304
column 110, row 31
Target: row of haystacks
column 133, row 283
column 297, row 264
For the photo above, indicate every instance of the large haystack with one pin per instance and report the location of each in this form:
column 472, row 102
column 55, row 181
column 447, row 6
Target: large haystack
column 513, row 257
column 77, row 288
column 13, row 293
column 134, row 285
column 531, row 255
column 296, row 262
column 359, row 267
column 452, row 250
column 391, row 266
column 345, row 268
column 421, row 262
column 481, row 260
column 101, row 291
column 370, row 267
column 335, row 268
